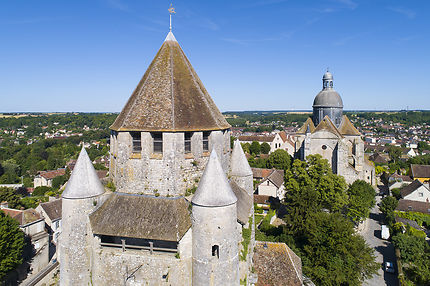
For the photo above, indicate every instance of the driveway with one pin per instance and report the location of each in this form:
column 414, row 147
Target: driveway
column 384, row 250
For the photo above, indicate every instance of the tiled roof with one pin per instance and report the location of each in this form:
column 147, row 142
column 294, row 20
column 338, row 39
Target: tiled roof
column 52, row 209
column 262, row 199
column 415, row 206
column 142, row 216
column 420, row 171
column 170, row 97
column 276, row 264
column 409, row 189
column 261, row 172
column 304, row 127
column 23, row 216
column 276, row 177
column 52, row 174
column 327, row 125
column 257, row 138
column 347, row 128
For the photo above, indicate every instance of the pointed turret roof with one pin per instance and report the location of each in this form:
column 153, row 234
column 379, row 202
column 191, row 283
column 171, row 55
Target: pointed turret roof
column 170, row 97
column 327, row 125
column 84, row 182
column 239, row 164
column 308, row 124
column 214, row 189
column 347, row 128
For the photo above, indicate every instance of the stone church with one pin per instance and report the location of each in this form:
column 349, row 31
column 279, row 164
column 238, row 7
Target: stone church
column 332, row 135
column 182, row 212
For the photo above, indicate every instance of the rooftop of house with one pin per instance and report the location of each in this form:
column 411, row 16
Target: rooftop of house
column 52, row 174
column 420, row 171
column 412, row 187
column 276, row 264
column 170, row 97
column 123, row 215
column 415, row 206
column 52, row 209
column 258, row 138
column 23, row 216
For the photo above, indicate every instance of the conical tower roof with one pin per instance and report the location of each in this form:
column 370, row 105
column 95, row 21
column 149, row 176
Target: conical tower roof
column 84, row 182
column 214, row 189
column 170, row 97
column 239, row 164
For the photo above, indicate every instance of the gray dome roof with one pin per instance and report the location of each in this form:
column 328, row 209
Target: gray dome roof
column 328, row 98
column 328, row 75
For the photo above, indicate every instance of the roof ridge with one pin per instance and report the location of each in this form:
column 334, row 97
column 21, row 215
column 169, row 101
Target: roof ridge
column 172, row 88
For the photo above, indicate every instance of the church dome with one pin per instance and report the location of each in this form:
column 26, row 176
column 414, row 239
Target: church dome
column 328, row 98
column 328, row 75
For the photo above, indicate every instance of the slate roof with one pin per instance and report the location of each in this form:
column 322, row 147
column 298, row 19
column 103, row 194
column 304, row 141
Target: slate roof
column 409, row 189
column 260, row 173
column 170, row 97
column 415, row 206
column 347, row 128
column 276, row 264
column 420, row 171
column 239, row 164
column 244, row 202
column 52, row 209
column 276, row 177
column 142, row 216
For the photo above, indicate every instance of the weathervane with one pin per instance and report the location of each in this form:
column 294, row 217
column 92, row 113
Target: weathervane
column 171, row 11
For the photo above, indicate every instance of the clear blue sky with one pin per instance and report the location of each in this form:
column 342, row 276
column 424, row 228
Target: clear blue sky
column 251, row 55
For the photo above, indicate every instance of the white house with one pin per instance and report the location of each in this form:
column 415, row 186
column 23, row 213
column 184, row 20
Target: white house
column 279, row 140
column 416, row 191
column 51, row 212
column 45, row 178
column 271, row 182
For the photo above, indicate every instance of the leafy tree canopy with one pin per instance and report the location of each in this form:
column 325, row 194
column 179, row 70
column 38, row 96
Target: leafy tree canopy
column 280, row 159
column 255, row 148
column 265, row 148
column 11, row 244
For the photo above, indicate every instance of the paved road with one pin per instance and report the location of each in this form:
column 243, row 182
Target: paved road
column 384, row 250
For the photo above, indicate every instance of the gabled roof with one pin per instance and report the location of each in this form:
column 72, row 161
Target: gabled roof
column 170, row 97
column 260, row 173
column 347, row 128
column 244, row 202
column 276, row 264
column 52, row 209
column 413, row 206
column 257, row 138
column 84, row 182
column 23, row 216
column 412, row 187
column 420, row 171
column 327, row 125
column 277, row 177
column 214, row 189
column 52, row 174
column 142, row 216
column 304, row 127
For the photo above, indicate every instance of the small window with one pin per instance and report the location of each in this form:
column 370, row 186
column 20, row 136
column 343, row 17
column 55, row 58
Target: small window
column 157, row 140
column 215, row 250
column 187, row 141
column 137, row 142
column 410, row 208
column 206, row 140
column 421, row 194
column 324, row 147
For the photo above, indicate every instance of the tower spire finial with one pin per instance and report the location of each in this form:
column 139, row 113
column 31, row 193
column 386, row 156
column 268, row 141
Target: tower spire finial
column 171, row 11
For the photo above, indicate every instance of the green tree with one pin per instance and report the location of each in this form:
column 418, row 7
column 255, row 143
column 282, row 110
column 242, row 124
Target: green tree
column 280, row 159
column 395, row 152
column 41, row 191
column 255, row 148
column 9, row 195
column 265, row 148
column 11, row 244
column 245, row 147
column 361, row 200
column 387, row 207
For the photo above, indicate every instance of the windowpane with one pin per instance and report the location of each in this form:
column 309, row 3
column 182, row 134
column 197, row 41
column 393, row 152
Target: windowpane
column 187, row 142
column 137, row 142
column 157, row 140
column 206, row 141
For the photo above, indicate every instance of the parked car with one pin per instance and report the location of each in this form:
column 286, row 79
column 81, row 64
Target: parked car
column 389, row 267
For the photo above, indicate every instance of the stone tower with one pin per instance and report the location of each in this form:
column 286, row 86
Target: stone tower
column 81, row 196
column 328, row 102
column 160, row 141
column 240, row 171
column 215, row 233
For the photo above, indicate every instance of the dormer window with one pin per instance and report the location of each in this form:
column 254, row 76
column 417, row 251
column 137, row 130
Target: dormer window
column 187, row 141
column 157, row 142
column 137, row 142
column 206, row 141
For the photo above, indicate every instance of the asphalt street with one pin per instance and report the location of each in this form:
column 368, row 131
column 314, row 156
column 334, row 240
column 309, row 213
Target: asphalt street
column 384, row 249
